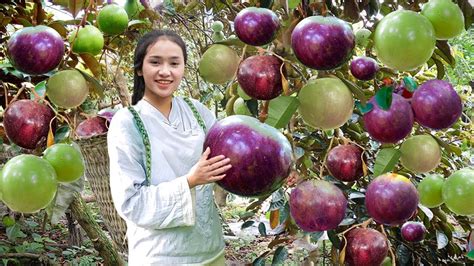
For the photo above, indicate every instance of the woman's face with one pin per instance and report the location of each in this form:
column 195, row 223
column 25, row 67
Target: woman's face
column 163, row 69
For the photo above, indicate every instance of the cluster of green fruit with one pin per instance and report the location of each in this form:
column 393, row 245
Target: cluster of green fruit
column 455, row 191
column 405, row 40
column 111, row 20
column 28, row 183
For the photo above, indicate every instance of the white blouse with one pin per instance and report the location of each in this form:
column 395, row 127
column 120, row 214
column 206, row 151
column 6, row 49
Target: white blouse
column 168, row 223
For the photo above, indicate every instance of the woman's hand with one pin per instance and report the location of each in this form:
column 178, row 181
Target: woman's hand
column 208, row 170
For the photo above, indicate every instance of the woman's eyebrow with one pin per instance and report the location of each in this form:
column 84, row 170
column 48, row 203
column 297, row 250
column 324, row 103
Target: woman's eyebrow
column 161, row 57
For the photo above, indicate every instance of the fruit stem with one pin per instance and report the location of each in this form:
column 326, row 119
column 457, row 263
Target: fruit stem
column 364, row 224
column 23, row 86
column 38, row 7
column 392, row 255
column 264, row 112
column 323, row 164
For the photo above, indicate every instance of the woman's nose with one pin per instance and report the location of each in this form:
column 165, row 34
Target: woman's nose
column 164, row 70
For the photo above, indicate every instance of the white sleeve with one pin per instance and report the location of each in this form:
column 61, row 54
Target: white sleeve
column 166, row 205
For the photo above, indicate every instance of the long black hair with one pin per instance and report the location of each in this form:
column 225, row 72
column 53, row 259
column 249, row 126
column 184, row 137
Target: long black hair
column 140, row 51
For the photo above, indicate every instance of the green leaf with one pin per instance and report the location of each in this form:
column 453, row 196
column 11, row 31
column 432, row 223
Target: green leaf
column 439, row 68
column 441, row 239
column 386, row 160
column 452, row 149
column 410, row 84
column 8, row 221
column 97, row 90
column 74, row 6
column 61, row 134
column 138, row 22
column 467, row 11
column 247, row 224
column 91, row 63
column 334, row 238
column 281, row 253
column 266, row 3
column 470, row 255
column 356, row 90
column 364, row 108
column 280, row 111
column 14, row 232
column 262, row 229
column 284, row 213
column 252, row 105
column 383, row 97
column 64, row 196
column 429, row 214
column 276, row 242
column 444, row 51
column 40, row 89
column 260, row 261
column 293, row 3
column 405, row 255
column 315, row 236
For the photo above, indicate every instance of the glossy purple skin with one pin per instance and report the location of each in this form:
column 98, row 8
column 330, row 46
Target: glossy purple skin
column 413, row 231
column 364, row 68
column 391, row 200
column 392, row 125
column 35, row 50
column 26, row 123
column 436, row 104
column 92, row 127
column 256, row 26
column 317, row 205
column 259, row 154
column 260, row 76
column 322, row 43
column 344, row 162
column 365, row 246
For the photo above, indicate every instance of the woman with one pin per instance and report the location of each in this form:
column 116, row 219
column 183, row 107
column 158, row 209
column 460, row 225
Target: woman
column 169, row 207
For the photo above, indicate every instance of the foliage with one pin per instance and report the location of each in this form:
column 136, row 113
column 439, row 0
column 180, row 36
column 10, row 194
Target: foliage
column 110, row 76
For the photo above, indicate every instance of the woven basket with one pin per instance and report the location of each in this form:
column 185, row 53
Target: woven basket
column 96, row 158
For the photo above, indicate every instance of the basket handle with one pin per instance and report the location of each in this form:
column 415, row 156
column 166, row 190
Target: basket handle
column 146, row 143
column 146, row 140
column 197, row 115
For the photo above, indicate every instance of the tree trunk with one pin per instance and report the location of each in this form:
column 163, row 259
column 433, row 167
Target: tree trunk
column 101, row 242
column 221, row 196
column 75, row 236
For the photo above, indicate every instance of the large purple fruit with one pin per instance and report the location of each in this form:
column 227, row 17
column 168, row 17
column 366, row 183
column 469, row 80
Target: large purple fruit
column 413, row 231
column 260, row 76
column 317, row 205
column 365, row 246
column 364, row 68
column 322, row 43
column 256, row 26
column 344, row 162
column 391, row 199
column 259, row 154
column 436, row 104
column 26, row 123
column 392, row 125
column 35, row 50
column 93, row 126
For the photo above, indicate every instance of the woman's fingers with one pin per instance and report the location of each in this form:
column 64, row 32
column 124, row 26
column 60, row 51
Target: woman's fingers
column 215, row 159
column 217, row 178
column 220, row 170
column 205, row 154
column 218, row 164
